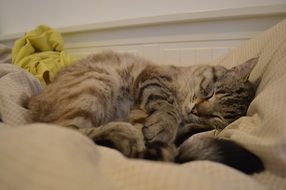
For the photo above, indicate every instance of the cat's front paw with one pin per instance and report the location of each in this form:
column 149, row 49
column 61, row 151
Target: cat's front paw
column 160, row 127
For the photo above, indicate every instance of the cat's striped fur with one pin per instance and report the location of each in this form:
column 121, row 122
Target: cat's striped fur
column 143, row 109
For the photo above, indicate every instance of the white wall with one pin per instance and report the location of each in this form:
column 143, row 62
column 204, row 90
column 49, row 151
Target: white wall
column 20, row 16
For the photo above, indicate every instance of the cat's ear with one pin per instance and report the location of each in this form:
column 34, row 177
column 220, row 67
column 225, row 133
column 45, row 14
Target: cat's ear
column 243, row 70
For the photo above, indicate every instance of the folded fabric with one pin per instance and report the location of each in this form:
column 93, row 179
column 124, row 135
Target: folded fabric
column 41, row 52
column 16, row 88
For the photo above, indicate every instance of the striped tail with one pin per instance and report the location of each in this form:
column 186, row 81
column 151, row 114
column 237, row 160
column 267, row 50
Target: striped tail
column 219, row 150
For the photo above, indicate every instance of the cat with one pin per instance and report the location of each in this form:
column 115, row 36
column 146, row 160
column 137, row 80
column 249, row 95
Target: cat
column 151, row 111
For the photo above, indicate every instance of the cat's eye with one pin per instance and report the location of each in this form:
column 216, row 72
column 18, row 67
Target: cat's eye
column 217, row 116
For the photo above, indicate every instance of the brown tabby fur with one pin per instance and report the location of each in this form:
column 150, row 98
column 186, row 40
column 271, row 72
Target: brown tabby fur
column 140, row 108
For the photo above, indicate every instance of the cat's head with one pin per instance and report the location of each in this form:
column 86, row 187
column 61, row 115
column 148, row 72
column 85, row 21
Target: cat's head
column 218, row 101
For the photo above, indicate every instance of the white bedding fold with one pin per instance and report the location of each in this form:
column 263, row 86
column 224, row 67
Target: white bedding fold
column 16, row 87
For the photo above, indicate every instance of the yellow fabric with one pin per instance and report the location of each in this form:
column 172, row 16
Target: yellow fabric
column 41, row 52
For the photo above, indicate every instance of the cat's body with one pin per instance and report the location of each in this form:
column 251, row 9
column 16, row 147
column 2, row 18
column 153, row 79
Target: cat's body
column 142, row 109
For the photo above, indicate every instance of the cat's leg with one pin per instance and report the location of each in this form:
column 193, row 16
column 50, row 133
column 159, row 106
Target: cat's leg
column 161, row 125
column 123, row 136
column 187, row 130
column 129, row 140
column 155, row 96
column 206, row 146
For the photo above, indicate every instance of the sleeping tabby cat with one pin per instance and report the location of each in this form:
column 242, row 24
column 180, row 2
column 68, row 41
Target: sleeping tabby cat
column 149, row 111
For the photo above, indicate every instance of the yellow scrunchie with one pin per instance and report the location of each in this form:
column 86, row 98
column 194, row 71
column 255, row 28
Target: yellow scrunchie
column 41, row 53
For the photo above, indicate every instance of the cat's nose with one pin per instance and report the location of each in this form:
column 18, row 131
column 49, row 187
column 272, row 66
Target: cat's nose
column 191, row 110
column 194, row 111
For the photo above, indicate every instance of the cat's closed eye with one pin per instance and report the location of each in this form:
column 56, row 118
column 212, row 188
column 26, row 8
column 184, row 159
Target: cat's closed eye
column 217, row 116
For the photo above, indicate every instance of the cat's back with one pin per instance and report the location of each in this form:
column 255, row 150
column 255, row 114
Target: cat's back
column 106, row 63
column 83, row 85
